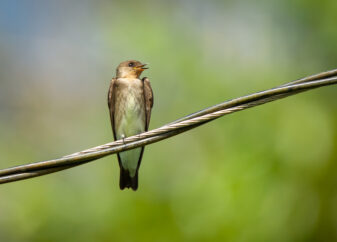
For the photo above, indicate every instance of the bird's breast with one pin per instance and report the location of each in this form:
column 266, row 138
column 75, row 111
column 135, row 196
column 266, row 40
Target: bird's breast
column 129, row 107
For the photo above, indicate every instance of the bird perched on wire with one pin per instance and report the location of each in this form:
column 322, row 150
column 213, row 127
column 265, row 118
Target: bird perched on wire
column 130, row 100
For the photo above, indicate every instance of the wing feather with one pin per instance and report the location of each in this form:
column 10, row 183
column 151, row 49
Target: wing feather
column 111, row 104
column 148, row 96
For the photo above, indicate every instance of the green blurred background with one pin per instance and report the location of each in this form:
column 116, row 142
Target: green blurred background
column 265, row 174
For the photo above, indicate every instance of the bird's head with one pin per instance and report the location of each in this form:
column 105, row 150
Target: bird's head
column 130, row 69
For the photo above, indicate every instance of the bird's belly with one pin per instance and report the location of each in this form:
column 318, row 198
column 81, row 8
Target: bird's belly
column 132, row 121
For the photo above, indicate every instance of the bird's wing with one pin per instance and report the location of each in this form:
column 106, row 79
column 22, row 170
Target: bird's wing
column 148, row 96
column 111, row 104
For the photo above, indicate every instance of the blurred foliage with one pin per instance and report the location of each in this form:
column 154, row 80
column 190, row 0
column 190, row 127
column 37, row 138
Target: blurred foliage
column 265, row 174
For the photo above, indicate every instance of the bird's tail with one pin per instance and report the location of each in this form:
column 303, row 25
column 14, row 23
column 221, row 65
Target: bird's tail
column 126, row 181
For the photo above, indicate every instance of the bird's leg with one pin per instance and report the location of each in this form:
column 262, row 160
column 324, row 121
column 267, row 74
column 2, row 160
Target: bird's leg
column 123, row 137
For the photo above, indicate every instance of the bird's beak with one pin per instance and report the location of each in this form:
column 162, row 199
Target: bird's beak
column 142, row 67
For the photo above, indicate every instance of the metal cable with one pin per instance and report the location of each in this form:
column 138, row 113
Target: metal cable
column 181, row 125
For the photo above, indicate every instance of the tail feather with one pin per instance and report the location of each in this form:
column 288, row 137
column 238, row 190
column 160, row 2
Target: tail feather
column 126, row 181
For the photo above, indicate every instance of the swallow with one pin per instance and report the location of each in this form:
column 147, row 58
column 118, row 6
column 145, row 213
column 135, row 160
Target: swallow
column 130, row 100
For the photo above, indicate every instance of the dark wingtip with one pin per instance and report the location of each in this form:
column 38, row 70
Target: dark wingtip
column 134, row 182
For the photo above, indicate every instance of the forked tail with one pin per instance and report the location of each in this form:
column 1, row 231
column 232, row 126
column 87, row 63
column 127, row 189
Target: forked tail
column 126, row 181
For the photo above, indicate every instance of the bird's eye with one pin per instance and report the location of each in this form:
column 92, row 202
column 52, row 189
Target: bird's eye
column 131, row 64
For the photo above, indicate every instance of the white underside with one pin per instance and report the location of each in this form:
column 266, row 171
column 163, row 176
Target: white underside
column 131, row 124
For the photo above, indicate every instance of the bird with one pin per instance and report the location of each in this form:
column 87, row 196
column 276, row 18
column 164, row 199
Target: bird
column 130, row 101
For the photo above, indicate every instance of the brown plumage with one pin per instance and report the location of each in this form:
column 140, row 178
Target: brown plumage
column 130, row 101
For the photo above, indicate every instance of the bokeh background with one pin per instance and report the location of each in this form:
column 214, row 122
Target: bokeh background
column 265, row 174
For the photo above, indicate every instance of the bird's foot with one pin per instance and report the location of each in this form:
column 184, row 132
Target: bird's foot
column 123, row 138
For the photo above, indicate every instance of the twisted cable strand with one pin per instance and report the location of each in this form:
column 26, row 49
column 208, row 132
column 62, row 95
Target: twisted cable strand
column 169, row 130
column 191, row 120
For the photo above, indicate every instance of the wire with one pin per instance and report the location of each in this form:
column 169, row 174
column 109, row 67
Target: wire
column 174, row 128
